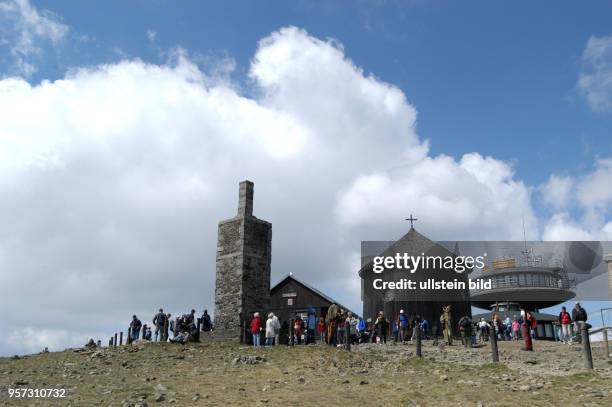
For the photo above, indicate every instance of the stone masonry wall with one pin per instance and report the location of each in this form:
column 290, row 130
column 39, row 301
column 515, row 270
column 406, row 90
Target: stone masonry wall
column 244, row 253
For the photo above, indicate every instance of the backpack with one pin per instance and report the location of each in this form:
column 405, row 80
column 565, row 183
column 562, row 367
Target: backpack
column 465, row 323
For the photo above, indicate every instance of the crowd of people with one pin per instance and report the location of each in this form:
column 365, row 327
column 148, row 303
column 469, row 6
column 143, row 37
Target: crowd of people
column 338, row 326
column 184, row 328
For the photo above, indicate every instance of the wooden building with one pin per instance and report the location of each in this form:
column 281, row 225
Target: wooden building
column 291, row 297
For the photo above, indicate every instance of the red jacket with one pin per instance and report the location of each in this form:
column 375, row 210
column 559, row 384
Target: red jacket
column 564, row 318
column 297, row 326
column 321, row 327
column 255, row 325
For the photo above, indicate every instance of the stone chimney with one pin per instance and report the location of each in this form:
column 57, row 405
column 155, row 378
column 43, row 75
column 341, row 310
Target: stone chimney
column 245, row 199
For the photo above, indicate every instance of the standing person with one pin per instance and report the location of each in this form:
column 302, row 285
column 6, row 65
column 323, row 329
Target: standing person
column 579, row 316
column 331, row 321
column 424, row 328
column 256, row 328
column 321, row 329
column 525, row 330
column 206, row 321
column 465, row 329
column 190, row 320
column 395, row 329
column 533, row 329
column 172, row 325
column 166, row 327
column 361, row 330
column 159, row 320
column 135, row 326
column 272, row 327
column 446, row 321
column 277, row 334
column 565, row 320
column 298, row 326
column 483, row 327
column 351, row 328
column 403, row 325
column 382, row 327
column 311, row 326
column 516, row 329
column 341, row 330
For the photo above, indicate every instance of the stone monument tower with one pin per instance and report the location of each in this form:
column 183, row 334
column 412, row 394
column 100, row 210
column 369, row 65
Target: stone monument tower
column 244, row 253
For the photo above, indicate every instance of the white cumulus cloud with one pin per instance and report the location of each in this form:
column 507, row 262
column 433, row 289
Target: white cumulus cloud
column 113, row 180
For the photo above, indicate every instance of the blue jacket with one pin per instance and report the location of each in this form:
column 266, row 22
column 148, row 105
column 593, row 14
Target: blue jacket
column 361, row 326
column 403, row 320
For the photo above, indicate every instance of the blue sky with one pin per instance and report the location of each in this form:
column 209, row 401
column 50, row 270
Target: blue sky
column 125, row 128
column 484, row 76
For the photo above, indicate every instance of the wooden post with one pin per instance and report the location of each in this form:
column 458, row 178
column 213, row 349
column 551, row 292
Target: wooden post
column 493, row 339
column 291, row 332
column 120, row 338
column 129, row 336
column 586, row 346
column 244, row 332
column 197, row 338
column 110, row 342
column 417, row 326
column 605, row 340
column 115, row 341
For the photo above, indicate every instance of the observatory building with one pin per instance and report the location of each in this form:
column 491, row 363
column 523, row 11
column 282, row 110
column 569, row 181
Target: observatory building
column 529, row 285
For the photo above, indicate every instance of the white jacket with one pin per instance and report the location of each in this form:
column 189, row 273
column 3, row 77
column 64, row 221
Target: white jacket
column 272, row 327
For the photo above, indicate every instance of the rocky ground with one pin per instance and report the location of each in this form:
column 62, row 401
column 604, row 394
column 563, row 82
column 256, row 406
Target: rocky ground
column 224, row 374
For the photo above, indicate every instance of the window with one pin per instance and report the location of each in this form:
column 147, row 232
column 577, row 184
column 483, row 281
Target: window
column 289, row 301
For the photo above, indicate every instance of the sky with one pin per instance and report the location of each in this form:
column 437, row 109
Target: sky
column 125, row 128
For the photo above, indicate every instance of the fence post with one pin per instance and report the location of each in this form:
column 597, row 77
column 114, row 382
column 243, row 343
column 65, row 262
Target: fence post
column 418, row 339
column 110, row 342
column 493, row 339
column 586, row 346
column 291, row 332
column 120, row 338
column 197, row 338
column 606, row 345
column 115, row 341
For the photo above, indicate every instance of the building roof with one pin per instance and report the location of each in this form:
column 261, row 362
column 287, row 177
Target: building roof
column 290, row 276
column 413, row 243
